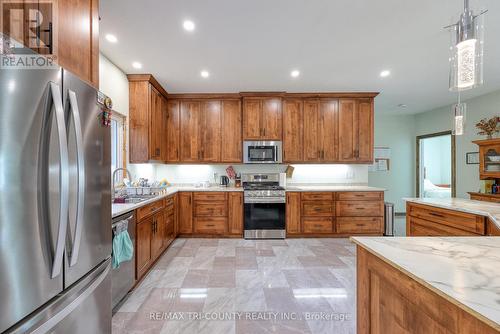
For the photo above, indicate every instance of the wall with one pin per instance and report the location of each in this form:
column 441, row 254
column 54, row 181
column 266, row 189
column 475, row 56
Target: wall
column 441, row 120
column 324, row 174
column 398, row 133
column 113, row 82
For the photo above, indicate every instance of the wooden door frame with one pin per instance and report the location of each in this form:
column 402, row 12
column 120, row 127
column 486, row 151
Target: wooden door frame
column 453, row 161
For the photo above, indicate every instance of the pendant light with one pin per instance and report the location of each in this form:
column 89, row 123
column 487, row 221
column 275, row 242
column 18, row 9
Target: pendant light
column 459, row 111
column 466, row 58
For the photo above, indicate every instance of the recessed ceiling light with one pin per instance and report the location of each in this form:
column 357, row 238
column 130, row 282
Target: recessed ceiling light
column 385, row 73
column 204, row 74
column 402, row 105
column 189, row 25
column 137, row 65
column 111, row 38
column 295, row 73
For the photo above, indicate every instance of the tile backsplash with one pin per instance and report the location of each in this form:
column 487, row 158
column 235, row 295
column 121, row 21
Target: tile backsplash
column 181, row 174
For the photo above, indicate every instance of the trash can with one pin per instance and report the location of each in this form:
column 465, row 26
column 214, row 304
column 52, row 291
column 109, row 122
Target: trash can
column 389, row 219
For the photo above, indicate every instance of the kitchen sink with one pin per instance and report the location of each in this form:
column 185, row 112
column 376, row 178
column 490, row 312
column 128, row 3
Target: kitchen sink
column 132, row 200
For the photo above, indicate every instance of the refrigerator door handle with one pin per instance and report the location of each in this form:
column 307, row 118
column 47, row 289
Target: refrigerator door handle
column 75, row 115
column 63, row 179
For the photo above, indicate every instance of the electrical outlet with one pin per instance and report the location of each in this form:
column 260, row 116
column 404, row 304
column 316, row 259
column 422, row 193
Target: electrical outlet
column 349, row 175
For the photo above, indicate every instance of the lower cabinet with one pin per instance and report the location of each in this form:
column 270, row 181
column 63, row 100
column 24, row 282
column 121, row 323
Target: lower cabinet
column 185, row 213
column 424, row 220
column 235, row 213
column 143, row 246
column 334, row 213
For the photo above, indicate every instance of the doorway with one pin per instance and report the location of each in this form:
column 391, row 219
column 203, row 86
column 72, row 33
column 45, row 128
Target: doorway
column 436, row 165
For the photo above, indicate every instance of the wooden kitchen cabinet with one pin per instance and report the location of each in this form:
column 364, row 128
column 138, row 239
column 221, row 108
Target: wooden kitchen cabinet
column 157, row 235
column 210, row 213
column 262, row 118
column 293, row 214
column 231, row 143
column 489, row 158
column 185, row 213
column 320, row 130
column 235, row 213
column 293, row 130
column 173, row 131
column 143, row 246
column 147, row 119
column 355, row 120
column 200, row 131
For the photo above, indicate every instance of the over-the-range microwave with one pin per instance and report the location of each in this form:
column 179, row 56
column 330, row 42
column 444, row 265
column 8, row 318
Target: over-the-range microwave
column 262, row 152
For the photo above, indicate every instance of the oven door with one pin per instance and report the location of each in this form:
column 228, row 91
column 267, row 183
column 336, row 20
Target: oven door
column 261, row 152
column 265, row 220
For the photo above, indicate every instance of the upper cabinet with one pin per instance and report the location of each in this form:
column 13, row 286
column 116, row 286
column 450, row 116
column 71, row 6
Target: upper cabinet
column 355, row 119
column 293, row 129
column 67, row 30
column 148, row 119
column 210, row 130
column 262, row 118
column 320, row 130
column 489, row 158
column 173, row 131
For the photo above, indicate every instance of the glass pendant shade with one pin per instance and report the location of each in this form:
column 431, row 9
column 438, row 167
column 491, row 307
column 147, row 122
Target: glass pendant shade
column 466, row 51
column 458, row 126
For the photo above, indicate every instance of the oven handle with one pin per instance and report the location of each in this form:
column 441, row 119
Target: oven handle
column 264, row 200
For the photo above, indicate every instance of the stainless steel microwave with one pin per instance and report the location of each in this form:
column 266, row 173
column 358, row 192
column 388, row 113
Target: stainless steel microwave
column 262, row 152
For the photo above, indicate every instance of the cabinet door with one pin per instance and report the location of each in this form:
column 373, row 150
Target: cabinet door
column 365, row 131
column 235, row 213
column 347, row 117
column 143, row 256
column 191, row 120
column 272, row 119
column 211, row 131
column 328, row 133
column 293, row 213
column 312, row 148
column 173, row 131
column 252, row 119
column 158, row 235
column 292, row 130
column 78, row 38
column 231, row 145
column 155, row 126
column 185, row 213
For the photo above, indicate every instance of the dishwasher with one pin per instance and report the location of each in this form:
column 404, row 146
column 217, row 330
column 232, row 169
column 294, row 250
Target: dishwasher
column 123, row 277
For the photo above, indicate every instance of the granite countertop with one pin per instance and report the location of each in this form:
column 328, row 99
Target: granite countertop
column 463, row 270
column 490, row 210
column 320, row 187
column 119, row 209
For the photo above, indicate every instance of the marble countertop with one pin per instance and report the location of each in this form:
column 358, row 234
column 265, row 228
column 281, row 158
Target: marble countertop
column 490, row 210
column 463, row 270
column 119, row 209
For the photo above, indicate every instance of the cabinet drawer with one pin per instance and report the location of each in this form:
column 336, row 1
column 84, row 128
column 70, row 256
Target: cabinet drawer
column 360, row 225
column 211, row 209
column 317, row 225
column 323, row 209
column 360, row 196
column 169, row 200
column 149, row 209
column 459, row 220
column 209, row 196
column 210, row 225
column 316, row 196
column 360, row 208
column 420, row 227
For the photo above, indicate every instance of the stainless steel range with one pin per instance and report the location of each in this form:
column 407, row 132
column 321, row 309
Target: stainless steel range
column 265, row 206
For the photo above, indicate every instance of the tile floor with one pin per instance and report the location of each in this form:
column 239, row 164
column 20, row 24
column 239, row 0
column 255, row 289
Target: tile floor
column 222, row 286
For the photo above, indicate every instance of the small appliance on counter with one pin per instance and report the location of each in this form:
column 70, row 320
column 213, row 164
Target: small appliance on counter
column 224, row 181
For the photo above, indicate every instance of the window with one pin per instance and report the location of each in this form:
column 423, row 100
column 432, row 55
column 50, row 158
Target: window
column 117, row 142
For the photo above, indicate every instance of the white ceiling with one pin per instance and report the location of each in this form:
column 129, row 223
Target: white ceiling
column 338, row 45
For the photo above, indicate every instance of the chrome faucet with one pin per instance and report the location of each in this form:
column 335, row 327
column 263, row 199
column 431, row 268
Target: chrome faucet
column 113, row 180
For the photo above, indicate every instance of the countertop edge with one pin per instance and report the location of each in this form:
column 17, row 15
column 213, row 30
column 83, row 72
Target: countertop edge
column 425, row 284
column 456, row 208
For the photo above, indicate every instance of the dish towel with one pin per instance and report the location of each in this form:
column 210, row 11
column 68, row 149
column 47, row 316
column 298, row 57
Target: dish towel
column 123, row 249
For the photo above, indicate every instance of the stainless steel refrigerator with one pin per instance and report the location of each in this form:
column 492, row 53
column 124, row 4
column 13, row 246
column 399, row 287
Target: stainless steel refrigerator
column 55, row 205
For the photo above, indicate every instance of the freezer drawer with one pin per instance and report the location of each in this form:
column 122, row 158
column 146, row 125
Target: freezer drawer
column 82, row 309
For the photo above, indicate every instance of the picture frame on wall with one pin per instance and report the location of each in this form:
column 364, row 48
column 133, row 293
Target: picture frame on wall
column 472, row 158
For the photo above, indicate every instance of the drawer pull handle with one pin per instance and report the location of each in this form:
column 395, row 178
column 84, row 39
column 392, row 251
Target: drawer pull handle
column 360, row 208
column 210, row 225
column 318, row 226
column 436, row 215
column 359, row 195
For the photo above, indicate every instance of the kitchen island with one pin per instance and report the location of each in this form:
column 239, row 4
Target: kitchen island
column 428, row 285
